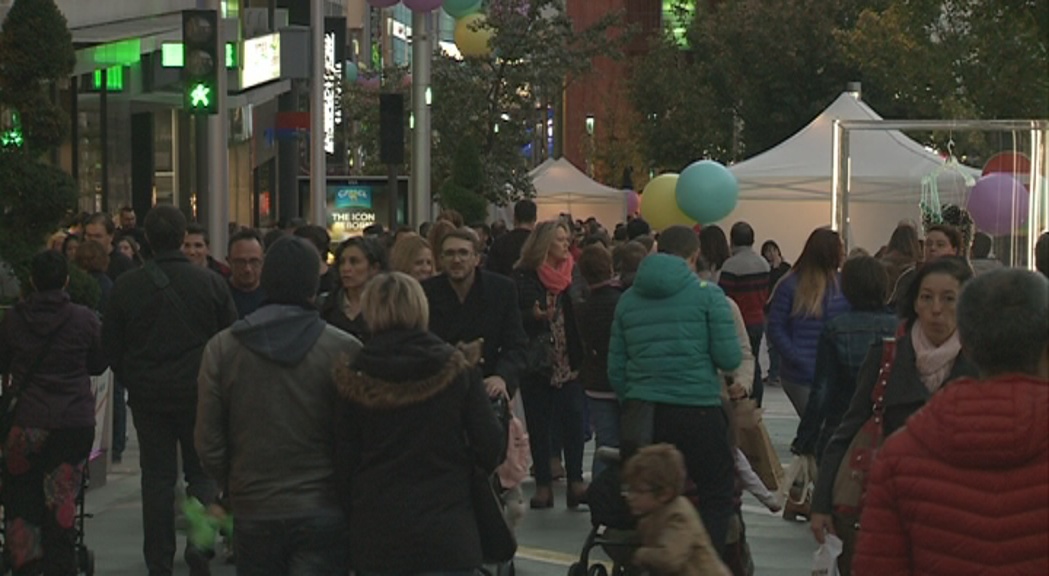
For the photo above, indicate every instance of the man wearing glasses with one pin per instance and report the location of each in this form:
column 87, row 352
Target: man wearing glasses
column 245, row 262
column 477, row 310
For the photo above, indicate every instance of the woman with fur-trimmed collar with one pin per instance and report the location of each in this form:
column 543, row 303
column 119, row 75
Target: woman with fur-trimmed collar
column 414, row 423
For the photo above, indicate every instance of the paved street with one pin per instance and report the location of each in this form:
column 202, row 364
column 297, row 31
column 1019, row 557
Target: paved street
column 549, row 539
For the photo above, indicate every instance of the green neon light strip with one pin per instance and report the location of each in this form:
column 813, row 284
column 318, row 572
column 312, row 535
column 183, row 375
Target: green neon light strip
column 171, row 54
column 114, row 79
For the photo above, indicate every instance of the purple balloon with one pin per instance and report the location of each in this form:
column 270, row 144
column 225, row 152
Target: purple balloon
column 633, row 202
column 382, row 3
column 422, row 5
column 998, row 203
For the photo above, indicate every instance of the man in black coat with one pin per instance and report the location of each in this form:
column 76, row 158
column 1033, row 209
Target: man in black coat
column 467, row 304
column 159, row 318
column 506, row 250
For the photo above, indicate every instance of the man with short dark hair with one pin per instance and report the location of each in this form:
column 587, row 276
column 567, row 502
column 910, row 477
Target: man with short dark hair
column 671, row 334
column 468, row 304
column 745, row 279
column 983, row 437
column 321, row 240
column 506, row 250
column 246, row 261
column 129, row 227
column 197, row 248
column 981, row 260
column 159, row 318
column 267, row 428
column 100, row 228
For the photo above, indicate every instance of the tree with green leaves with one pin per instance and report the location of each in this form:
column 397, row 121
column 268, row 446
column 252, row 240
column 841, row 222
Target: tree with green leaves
column 950, row 59
column 462, row 191
column 36, row 50
column 498, row 101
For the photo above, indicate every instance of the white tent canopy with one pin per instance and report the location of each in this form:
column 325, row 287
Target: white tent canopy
column 561, row 188
column 786, row 191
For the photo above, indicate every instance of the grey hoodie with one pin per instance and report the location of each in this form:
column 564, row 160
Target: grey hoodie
column 283, row 333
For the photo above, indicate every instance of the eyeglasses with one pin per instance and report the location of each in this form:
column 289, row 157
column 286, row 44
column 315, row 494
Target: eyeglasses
column 462, row 254
column 246, row 262
column 626, row 490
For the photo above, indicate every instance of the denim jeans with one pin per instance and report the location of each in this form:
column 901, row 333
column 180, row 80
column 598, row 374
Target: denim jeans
column 548, row 406
column 119, row 420
column 160, row 435
column 754, row 333
column 604, row 415
column 773, row 373
column 313, row 545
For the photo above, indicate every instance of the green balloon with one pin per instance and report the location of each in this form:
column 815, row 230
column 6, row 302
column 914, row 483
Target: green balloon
column 459, row 8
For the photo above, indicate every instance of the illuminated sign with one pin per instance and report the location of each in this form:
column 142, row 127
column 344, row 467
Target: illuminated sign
column 332, row 90
column 355, row 197
column 261, row 57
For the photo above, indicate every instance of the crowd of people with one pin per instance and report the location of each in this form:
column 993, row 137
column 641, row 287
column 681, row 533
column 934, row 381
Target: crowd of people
column 342, row 404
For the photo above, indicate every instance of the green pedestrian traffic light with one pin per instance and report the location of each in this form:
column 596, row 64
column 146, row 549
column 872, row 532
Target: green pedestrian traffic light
column 200, row 97
column 201, row 63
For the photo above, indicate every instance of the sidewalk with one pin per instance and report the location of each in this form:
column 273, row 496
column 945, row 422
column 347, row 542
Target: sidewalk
column 549, row 540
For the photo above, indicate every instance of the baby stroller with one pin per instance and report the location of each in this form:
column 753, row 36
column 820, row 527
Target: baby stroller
column 613, row 527
column 85, row 557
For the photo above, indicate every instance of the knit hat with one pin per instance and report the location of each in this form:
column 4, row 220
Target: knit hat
column 291, row 272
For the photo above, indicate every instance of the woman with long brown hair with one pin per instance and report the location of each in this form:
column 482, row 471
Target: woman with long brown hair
column 412, row 255
column 803, row 301
column 544, row 276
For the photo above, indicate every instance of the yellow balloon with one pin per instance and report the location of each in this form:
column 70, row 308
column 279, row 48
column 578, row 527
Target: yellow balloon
column 472, row 42
column 659, row 204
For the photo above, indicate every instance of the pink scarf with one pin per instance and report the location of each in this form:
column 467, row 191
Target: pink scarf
column 934, row 362
column 558, row 279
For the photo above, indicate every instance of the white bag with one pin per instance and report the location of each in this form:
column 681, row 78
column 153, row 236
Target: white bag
column 825, row 558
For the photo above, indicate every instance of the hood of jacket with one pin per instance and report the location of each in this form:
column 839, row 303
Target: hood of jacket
column 280, row 332
column 663, row 275
column 400, row 368
column 45, row 312
column 996, row 423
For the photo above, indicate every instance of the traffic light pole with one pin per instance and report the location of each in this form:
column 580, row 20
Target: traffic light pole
column 318, row 157
column 218, row 157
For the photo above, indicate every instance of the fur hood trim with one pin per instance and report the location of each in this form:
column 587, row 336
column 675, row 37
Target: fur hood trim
column 375, row 392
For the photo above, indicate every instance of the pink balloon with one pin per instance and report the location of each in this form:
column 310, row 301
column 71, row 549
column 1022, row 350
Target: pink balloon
column 422, row 5
column 382, row 3
column 633, row 202
column 998, row 203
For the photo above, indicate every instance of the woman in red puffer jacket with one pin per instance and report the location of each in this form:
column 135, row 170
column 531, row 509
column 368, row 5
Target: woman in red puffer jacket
column 964, row 488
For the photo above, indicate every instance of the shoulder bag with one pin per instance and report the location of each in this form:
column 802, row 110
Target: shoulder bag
column 850, row 480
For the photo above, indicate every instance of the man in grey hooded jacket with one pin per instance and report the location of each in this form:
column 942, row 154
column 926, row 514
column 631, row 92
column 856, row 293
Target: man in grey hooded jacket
column 266, row 421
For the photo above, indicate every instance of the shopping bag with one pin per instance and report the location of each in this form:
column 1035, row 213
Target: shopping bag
column 825, row 558
column 756, row 445
column 797, row 487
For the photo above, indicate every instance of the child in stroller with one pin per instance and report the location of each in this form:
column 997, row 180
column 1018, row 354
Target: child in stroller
column 613, row 527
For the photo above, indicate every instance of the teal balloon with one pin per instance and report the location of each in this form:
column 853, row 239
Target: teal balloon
column 459, row 8
column 706, row 191
column 350, row 71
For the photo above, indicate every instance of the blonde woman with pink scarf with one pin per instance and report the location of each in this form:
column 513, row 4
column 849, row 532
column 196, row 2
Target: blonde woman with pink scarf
column 928, row 357
column 544, row 277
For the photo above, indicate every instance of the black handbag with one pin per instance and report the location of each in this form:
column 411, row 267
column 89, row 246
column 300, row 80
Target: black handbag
column 498, row 544
column 539, row 357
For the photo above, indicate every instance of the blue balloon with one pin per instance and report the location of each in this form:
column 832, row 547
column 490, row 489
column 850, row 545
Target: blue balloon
column 706, row 191
column 460, row 8
column 350, row 71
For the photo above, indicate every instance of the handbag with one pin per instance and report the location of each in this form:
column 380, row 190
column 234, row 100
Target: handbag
column 539, row 357
column 850, row 480
column 498, row 544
